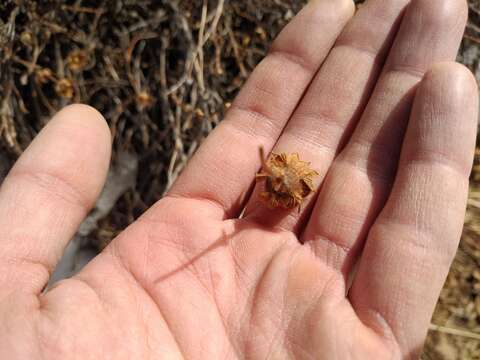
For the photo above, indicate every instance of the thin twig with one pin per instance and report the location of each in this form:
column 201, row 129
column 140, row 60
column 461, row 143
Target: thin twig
column 216, row 20
column 199, row 61
column 456, row 332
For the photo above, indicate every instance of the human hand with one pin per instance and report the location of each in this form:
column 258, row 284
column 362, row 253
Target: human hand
column 194, row 278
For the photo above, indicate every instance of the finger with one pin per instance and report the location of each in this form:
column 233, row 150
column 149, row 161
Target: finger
column 224, row 168
column 334, row 101
column 48, row 193
column 412, row 244
column 360, row 179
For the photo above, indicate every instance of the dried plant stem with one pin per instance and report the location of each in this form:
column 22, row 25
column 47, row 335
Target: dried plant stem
column 455, row 332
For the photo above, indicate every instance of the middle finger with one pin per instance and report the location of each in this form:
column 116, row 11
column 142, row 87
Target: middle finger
column 334, row 102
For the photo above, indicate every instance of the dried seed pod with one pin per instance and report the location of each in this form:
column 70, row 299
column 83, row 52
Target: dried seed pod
column 77, row 60
column 26, row 38
column 44, row 75
column 288, row 180
column 144, row 100
column 64, row 88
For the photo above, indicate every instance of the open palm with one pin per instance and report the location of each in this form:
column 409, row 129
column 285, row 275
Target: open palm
column 211, row 273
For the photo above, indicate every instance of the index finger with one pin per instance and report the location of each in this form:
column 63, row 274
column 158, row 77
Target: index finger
column 224, row 168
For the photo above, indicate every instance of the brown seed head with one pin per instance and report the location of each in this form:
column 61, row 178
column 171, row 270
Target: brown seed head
column 26, row 37
column 288, row 181
column 43, row 75
column 64, row 88
column 144, row 99
column 77, row 60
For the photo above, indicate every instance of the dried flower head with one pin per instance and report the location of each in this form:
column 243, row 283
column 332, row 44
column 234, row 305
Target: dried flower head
column 288, row 180
column 77, row 60
column 26, row 37
column 144, row 99
column 64, row 88
column 44, row 75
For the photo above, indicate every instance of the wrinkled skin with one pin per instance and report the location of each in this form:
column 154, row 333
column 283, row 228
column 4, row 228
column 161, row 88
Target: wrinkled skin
column 209, row 272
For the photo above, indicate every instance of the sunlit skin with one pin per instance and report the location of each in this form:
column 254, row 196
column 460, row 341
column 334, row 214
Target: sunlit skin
column 372, row 100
